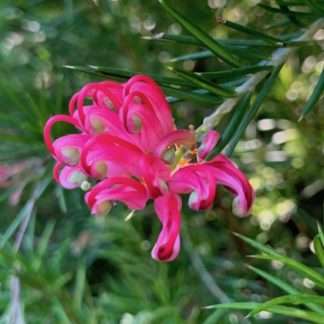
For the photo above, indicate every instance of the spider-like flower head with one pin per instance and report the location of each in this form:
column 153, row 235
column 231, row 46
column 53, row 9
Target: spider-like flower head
column 126, row 142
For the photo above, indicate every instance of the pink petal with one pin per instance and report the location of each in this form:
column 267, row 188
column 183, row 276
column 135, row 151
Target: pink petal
column 128, row 191
column 94, row 91
column 139, row 119
column 168, row 208
column 147, row 86
column 50, row 123
column 208, row 143
column 179, row 137
column 100, row 119
column 197, row 180
column 227, row 174
column 110, row 97
column 69, row 177
column 155, row 174
column 121, row 157
column 67, row 149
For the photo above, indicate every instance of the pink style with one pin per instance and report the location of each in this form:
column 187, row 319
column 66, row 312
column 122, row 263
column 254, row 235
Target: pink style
column 127, row 142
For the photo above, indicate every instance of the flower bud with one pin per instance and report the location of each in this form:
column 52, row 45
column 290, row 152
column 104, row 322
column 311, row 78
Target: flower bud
column 97, row 125
column 77, row 178
column 101, row 170
column 109, row 104
column 137, row 124
column 137, row 99
column 169, row 156
column 104, row 208
column 85, row 186
column 71, row 155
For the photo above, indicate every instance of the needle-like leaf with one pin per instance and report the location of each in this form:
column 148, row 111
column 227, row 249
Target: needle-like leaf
column 202, row 36
column 315, row 96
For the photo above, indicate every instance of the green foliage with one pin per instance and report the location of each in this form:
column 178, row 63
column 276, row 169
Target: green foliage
column 295, row 297
column 248, row 70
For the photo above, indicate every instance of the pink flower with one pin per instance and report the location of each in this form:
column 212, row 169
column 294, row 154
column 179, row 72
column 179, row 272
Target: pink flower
column 126, row 142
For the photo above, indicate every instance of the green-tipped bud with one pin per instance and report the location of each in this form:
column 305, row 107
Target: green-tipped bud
column 102, row 170
column 110, row 104
column 137, row 124
column 104, row 208
column 85, row 186
column 169, row 156
column 97, row 125
column 137, row 99
column 71, row 156
column 77, row 178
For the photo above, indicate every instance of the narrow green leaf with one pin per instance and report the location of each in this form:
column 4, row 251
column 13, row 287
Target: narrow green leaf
column 284, row 286
column 282, row 310
column 171, row 38
column 321, row 233
column 61, row 199
column 247, row 54
column 316, row 6
column 202, row 36
column 319, row 249
column 253, row 110
column 196, row 96
column 121, row 74
column 315, row 96
column 234, row 73
column 16, row 222
column 275, row 280
column 309, row 273
column 79, row 286
column 204, row 83
column 232, row 125
column 288, row 299
column 280, row 10
column 253, row 32
column 192, row 56
column 290, row 14
column 257, row 245
column 215, row 317
column 238, row 306
column 186, row 39
column 44, row 240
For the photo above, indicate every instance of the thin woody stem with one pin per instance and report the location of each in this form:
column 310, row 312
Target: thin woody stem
column 279, row 56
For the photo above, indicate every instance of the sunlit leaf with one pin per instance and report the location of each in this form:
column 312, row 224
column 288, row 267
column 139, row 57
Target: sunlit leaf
column 288, row 299
column 202, row 36
column 253, row 110
column 315, row 96
column 204, row 83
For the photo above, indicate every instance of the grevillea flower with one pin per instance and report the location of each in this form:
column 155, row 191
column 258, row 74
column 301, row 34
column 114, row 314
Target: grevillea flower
column 126, row 142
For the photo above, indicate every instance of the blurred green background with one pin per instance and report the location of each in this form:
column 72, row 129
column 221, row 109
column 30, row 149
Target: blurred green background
column 75, row 268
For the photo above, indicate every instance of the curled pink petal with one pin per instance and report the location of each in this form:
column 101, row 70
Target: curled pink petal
column 129, row 191
column 226, row 173
column 115, row 152
column 67, row 149
column 146, row 85
column 155, row 175
column 168, row 209
column 208, row 143
column 138, row 117
column 50, row 123
column 145, row 112
column 98, row 92
column 179, row 137
column 197, row 180
column 69, row 177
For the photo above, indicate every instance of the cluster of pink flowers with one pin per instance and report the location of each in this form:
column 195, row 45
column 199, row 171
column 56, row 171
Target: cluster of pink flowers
column 127, row 143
